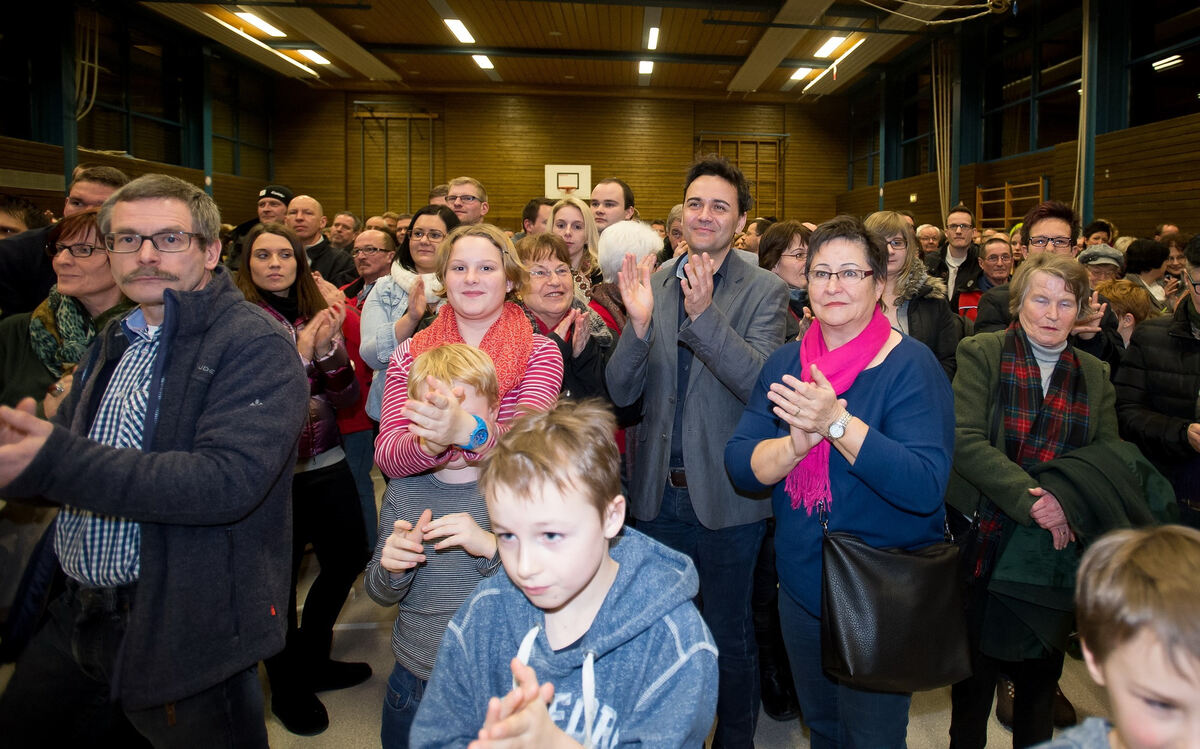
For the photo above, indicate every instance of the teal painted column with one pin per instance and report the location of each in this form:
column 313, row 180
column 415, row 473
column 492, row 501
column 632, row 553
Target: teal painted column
column 1087, row 141
column 69, row 134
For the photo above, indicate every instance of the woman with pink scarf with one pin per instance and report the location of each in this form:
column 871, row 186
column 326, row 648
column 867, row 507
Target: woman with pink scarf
column 855, row 424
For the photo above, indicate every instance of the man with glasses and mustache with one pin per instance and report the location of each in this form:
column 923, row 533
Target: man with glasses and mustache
column 373, row 252
column 172, row 459
column 467, row 199
column 958, row 263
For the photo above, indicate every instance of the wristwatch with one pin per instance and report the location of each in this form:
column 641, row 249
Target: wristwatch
column 478, row 436
column 837, row 429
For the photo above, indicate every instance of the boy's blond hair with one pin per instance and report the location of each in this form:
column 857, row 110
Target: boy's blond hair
column 1131, row 580
column 456, row 361
column 570, row 447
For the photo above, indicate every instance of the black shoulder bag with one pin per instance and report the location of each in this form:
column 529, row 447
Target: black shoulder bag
column 891, row 620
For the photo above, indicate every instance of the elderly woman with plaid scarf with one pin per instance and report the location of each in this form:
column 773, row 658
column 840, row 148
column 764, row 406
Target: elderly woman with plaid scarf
column 1024, row 401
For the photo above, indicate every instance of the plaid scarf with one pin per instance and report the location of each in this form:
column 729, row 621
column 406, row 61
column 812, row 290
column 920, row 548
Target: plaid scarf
column 1037, row 428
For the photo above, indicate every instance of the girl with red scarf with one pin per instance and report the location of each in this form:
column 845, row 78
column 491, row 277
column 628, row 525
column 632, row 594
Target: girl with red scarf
column 479, row 271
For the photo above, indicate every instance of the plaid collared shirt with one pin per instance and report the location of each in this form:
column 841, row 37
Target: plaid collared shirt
column 103, row 550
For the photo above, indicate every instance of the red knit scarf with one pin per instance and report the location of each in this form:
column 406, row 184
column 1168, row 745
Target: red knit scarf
column 509, row 341
column 808, row 482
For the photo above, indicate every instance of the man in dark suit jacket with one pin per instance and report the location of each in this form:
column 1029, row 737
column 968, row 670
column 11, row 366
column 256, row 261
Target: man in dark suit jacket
column 697, row 335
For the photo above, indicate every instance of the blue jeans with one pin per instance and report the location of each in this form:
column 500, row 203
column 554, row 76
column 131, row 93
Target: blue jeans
column 404, row 692
column 60, row 693
column 360, row 455
column 837, row 715
column 725, row 560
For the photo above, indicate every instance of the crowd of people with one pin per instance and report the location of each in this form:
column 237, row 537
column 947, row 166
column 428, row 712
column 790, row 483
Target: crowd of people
column 612, row 448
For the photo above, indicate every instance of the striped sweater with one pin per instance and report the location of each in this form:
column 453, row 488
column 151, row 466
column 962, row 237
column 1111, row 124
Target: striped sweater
column 396, row 450
column 430, row 593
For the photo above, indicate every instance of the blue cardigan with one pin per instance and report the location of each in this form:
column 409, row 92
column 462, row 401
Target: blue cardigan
column 892, row 496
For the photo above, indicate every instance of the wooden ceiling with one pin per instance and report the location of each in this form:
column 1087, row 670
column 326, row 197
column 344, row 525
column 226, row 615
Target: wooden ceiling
column 706, row 49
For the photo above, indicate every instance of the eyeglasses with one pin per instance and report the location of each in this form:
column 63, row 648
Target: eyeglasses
column 899, row 243
column 433, row 234
column 1194, row 284
column 849, row 276
column 463, row 199
column 959, row 227
column 76, row 250
column 366, row 251
column 998, row 258
column 541, row 274
column 163, row 241
column 795, row 255
column 1060, row 243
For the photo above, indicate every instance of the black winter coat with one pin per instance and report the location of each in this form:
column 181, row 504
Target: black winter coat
column 1157, row 390
column 932, row 323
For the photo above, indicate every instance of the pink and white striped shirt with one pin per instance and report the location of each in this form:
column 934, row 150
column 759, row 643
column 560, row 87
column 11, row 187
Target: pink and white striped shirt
column 396, row 450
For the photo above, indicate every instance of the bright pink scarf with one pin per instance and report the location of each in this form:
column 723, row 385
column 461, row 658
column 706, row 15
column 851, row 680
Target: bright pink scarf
column 809, row 480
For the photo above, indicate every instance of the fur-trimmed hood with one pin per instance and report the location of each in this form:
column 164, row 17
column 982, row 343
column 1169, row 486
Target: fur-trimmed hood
column 919, row 283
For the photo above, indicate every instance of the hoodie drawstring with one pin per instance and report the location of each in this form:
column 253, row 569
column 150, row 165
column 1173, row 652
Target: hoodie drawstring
column 589, row 698
column 525, row 649
column 590, row 704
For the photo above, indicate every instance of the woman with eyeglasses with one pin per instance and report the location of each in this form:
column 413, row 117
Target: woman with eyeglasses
column 783, row 250
column 1039, row 471
column 914, row 302
column 39, row 349
column 583, row 340
column 571, row 219
column 852, row 425
column 325, row 507
column 405, row 300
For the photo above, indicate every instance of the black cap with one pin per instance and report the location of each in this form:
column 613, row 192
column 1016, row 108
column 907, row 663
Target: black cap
column 279, row 192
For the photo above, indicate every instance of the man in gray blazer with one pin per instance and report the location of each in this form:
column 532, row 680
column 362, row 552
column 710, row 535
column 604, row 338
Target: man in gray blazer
column 697, row 335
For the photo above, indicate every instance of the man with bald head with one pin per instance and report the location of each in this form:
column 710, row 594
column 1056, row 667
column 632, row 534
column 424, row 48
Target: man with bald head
column 306, row 217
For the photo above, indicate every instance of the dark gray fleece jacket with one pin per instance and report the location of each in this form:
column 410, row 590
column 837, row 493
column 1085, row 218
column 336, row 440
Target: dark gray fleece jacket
column 211, row 488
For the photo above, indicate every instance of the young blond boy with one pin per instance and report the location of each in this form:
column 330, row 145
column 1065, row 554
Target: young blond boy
column 1138, row 609
column 434, row 540
column 603, row 616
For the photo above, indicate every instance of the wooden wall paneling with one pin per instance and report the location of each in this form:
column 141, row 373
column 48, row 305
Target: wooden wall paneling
column 505, row 141
column 927, row 208
column 1148, row 175
column 814, row 159
column 237, row 197
column 311, row 145
column 861, row 202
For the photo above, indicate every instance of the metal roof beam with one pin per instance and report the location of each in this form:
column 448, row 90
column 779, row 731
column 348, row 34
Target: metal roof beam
column 573, row 54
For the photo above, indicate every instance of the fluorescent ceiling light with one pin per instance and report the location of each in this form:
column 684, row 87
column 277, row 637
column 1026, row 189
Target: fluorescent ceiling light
column 275, row 52
column 459, row 29
column 652, row 41
column 315, row 56
column 645, row 67
column 259, row 24
column 828, row 47
column 1167, row 62
column 483, row 62
column 801, row 73
column 836, row 62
